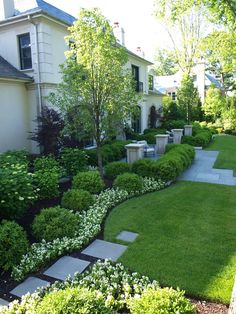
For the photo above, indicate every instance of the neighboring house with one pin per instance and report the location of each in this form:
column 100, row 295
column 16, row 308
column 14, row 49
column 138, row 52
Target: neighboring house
column 32, row 46
column 202, row 80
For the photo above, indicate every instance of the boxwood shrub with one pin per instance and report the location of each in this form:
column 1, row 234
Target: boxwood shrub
column 54, row 222
column 77, row 200
column 73, row 300
column 47, row 183
column 202, row 138
column 89, row 180
column 129, row 182
column 177, row 158
column 73, row 160
column 113, row 169
column 166, row 300
column 13, row 244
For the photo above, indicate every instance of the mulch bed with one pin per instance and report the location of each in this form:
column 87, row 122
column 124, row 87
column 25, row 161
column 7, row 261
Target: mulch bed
column 7, row 284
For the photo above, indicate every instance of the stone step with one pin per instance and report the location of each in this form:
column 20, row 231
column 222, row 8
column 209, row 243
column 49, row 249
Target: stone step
column 3, row 303
column 30, row 285
column 103, row 249
column 66, row 266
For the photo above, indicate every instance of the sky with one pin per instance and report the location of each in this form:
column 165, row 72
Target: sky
column 135, row 16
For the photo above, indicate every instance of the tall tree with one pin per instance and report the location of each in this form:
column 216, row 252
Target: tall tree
column 188, row 99
column 185, row 29
column 165, row 62
column 97, row 92
column 215, row 103
column 219, row 51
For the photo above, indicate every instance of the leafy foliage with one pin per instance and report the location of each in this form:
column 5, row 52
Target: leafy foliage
column 129, row 182
column 165, row 301
column 13, row 244
column 48, row 133
column 47, row 183
column 215, row 103
column 53, row 223
column 77, row 200
column 73, row 300
column 89, row 180
column 97, row 95
column 73, row 160
column 165, row 62
column 113, row 169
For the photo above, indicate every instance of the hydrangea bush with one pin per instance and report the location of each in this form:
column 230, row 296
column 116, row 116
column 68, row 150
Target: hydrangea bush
column 90, row 225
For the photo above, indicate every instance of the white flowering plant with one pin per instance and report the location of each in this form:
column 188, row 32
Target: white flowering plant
column 90, row 225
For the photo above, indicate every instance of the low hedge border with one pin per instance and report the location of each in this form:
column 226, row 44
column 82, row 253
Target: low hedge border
column 178, row 157
column 201, row 139
column 90, row 225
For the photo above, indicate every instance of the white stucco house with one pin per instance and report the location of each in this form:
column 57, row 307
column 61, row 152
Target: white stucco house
column 32, row 47
column 203, row 79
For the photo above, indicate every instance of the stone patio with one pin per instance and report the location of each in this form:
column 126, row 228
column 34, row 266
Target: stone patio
column 202, row 170
column 127, row 236
column 103, row 249
column 3, row 302
column 29, row 285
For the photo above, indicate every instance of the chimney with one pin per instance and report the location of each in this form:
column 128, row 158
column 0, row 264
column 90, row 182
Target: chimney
column 140, row 52
column 119, row 33
column 7, row 9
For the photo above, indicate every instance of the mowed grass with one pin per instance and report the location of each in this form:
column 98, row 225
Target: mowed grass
column 187, row 237
column 226, row 145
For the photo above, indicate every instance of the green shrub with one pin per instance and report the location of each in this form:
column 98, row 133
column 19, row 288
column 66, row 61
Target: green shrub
column 54, row 222
column 202, row 138
column 142, row 167
column 92, row 157
column 47, row 181
column 73, row 160
column 13, row 244
column 16, row 190
column 155, row 130
column 14, row 157
column 174, row 124
column 77, row 200
column 113, row 169
column 73, row 300
column 46, row 163
column 129, row 182
column 164, row 301
column 90, row 181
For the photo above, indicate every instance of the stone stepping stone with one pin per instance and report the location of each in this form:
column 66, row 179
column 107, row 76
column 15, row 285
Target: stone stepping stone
column 127, row 236
column 208, row 176
column 3, row 302
column 104, row 249
column 66, row 266
column 29, row 285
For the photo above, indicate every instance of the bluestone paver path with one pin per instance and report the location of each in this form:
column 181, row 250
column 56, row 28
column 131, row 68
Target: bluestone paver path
column 127, row 236
column 29, row 285
column 202, row 170
column 103, row 249
column 3, row 302
column 66, row 266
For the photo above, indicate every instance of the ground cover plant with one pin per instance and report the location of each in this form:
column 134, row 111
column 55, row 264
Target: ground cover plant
column 186, row 237
column 226, row 145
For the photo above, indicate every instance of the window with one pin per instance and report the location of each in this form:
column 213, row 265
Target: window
column 150, row 82
column 135, row 73
column 173, row 96
column 25, row 51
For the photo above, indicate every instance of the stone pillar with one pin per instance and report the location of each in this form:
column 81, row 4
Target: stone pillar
column 178, row 133
column 161, row 142
column 188, row 130
column 134, row 152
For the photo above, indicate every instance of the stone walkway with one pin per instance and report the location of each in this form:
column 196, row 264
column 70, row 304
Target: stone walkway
column 202, row 170
column 68, row 265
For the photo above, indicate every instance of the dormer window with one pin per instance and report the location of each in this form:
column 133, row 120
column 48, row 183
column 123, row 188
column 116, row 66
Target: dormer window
column 25, row 51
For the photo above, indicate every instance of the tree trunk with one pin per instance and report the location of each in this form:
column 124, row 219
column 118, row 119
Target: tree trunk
column 99, row 156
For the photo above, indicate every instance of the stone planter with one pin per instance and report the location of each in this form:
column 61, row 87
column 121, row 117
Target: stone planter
column 161, row 142
column 188, row 130
column 134, row 152
column 177, row 133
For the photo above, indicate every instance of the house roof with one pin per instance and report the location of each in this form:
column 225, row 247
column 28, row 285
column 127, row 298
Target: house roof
column 40, row 6
column 9, row 71
column 213, row 80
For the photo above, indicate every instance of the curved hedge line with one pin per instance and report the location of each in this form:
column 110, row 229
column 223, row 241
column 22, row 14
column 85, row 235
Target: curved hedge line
column 169, row 166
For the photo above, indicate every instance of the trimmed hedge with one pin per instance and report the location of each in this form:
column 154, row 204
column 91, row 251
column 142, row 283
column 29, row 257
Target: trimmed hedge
column 115, row 168
column 129, row 182
column 77, row 200
column 73, row 160
column 202, row 138
column 89, row 180
column 177, row 158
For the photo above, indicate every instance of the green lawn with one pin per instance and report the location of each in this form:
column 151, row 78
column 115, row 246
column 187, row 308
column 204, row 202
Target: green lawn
column 187, row 237
column 227, row 156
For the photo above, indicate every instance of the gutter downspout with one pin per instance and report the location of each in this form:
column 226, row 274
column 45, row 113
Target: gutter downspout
column 37, row 62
